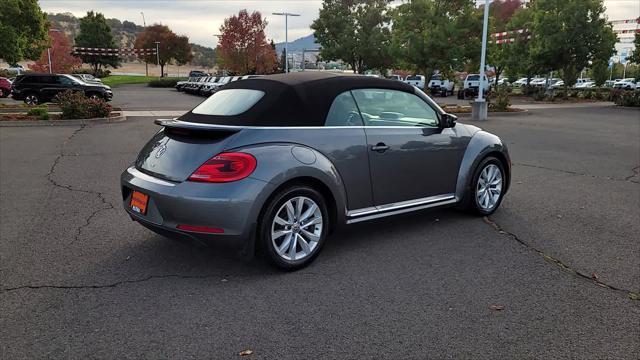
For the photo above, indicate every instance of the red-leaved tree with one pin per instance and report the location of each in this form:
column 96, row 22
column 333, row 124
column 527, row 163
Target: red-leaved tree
column 502, row 11
column 62, row 61
column 243, row 47
column 173, row 48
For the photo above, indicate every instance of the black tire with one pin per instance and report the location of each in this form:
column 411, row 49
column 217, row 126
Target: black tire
column 32, row 99
column 266, row 222
column 470, row 201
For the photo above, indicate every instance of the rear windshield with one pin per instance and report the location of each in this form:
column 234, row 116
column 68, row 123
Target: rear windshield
column 473, row 78
column 413, row 78
column 229, row 102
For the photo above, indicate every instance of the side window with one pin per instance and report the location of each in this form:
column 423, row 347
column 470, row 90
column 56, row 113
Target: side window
column 64, row 80
column 381, row 107
column 343, row 112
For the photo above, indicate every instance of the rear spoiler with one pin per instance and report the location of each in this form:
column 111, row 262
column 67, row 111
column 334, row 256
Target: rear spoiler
column 179, row 124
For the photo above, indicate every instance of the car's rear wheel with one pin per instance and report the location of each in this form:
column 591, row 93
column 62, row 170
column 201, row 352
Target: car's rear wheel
column 294, row 227
column 31, row 99
column 488, row 186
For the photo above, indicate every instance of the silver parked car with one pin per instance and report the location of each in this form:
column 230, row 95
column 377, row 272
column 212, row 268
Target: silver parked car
column 280, row 161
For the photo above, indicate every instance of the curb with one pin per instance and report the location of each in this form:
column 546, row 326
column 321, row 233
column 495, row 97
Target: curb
column 497, row 113
column 74, row 122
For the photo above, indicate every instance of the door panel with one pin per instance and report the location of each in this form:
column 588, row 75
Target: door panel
column 410, row 156
column 419, row 162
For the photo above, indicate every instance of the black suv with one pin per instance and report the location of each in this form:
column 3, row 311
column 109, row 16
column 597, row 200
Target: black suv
column 39, row 88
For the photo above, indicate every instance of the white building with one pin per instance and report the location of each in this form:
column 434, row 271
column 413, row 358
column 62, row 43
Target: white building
column 626, row 30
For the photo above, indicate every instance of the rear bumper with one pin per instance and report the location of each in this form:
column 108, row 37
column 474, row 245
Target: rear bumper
column 231, row 207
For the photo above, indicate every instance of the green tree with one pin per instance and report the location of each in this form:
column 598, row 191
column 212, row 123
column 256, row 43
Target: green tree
column 635, row 55
column 600, row 72
column 501, row 12
column 96, row 33
column 356, row 32
column 23, row 30
column 171, row 47
column 517, row 54
column 569, row 34
column 430, row 35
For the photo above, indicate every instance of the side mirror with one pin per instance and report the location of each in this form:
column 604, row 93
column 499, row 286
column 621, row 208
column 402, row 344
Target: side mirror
column 448, row 120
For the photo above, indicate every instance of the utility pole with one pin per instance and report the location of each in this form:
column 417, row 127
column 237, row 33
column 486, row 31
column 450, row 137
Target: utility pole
column 219, row 36
column 158, row 57
column 480, row 108
column 146, row 65
column 49, row 55
column 286, row 37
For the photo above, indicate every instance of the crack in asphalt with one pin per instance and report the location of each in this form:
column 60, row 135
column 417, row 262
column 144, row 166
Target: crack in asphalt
column 632, row 295
column 628, row 178
column 110, row 285
column 635, row 171
column 99, row 194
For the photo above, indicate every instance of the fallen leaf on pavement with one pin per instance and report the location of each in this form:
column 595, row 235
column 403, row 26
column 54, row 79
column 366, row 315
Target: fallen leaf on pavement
column 246, row 352
column 496, row 307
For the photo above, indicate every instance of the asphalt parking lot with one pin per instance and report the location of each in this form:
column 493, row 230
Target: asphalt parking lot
column 561, row 259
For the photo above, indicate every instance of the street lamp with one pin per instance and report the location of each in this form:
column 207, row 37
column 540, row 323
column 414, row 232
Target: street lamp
column 480, row 108
column 286, row 37
column 219, row 36
column 146, row 65
column 158, row 56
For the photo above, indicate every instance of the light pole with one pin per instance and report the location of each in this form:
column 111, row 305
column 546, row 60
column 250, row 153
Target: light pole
column 146, row 65
column 49, row 55
column 219, row 36
column 480, row 108
column 286, row 37
column 158, row 56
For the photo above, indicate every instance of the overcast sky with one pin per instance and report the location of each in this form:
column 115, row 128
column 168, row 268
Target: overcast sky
column 201, row 19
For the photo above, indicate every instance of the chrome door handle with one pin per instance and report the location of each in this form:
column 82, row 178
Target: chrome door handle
column 380, row 147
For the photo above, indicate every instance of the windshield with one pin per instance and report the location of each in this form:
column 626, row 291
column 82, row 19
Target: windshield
column 473, row 77
column 414, row 78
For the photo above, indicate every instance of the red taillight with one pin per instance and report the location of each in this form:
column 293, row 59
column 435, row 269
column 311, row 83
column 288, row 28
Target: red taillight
column 200, row 229
column 225, row 167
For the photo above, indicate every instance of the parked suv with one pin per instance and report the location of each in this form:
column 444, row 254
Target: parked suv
column 628, row 83
column 35, row 89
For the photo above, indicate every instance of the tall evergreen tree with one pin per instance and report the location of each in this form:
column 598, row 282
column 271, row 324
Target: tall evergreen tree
column 96, row 33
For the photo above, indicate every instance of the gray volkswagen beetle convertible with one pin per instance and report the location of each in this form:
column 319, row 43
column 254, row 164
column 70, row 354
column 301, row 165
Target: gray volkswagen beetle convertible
column 278, row 162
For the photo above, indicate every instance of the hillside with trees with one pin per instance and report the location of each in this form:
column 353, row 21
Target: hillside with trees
column 124, row 35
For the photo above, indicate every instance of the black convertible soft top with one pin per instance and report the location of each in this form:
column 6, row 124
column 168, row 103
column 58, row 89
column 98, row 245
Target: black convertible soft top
column 298, row 99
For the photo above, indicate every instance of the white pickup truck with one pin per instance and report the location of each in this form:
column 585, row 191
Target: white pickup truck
column 415, row 80
column 439, row 86
column 472, row 85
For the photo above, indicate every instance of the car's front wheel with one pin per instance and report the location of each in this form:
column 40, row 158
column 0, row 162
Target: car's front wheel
column 294, row 227
column 31, row 99
column 488, row 186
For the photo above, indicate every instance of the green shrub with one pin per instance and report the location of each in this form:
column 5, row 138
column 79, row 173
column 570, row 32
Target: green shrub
column 163, row 83
column 75, row 105
column 500, row 99
column 539, row 94
column 625, row 98
column 41, row 113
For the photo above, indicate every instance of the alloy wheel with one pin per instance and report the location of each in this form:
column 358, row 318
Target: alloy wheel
column 489, row 187
column 296, row 228
column 31, row 100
